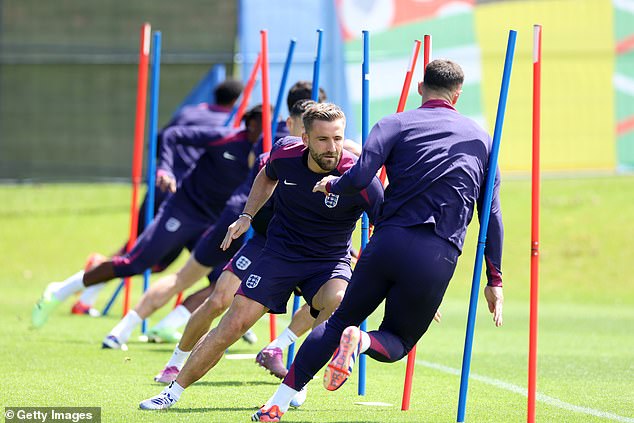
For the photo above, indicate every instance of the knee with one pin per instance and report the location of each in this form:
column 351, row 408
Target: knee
column 334, row 300
column 219, row 302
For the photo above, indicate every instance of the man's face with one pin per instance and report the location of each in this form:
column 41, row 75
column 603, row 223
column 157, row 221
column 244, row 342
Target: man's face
column 254, row 128
column 325, row 142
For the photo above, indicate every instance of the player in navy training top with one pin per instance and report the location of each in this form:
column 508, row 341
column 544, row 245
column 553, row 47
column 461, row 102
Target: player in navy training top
column 229, row 281
column 226, row 93
column 436, row 163
column 308, row 239
column 184, row 217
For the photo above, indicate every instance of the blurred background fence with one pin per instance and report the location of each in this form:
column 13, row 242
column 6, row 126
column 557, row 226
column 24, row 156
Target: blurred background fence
column 68, row 72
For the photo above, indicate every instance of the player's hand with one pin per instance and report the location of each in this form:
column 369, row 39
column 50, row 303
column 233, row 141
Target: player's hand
column 234, row 231
column 437, row 316
column 495, row 299
column 165, row 181
column 321, row 185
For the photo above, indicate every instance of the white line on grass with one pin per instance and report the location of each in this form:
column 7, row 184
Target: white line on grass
column 523, row 391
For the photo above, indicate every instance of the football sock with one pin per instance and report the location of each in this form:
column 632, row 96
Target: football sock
column 68, row 287
column 285, row 339
column 175, row 319
column 365, row 342
column 89, row 296
column 124, row 328
column 282, row 397
column 178, row 358
column 174, row 389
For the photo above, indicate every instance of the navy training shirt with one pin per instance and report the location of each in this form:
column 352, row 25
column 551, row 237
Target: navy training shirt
column 436, row 162
column 218, row 172
column 309, row 224
column 203, row 114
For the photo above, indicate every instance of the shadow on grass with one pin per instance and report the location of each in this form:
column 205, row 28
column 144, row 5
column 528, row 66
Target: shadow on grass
column 211, row 409
column 235, row 383
column 161, row 350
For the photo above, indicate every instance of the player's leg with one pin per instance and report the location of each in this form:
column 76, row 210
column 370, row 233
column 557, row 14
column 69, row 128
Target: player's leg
column 365, row 292
column 171, row 228
column 242, row 314
column 328, row 299
column 199, row 323
column 84, row 305
column 421, row 276
column 154, row 298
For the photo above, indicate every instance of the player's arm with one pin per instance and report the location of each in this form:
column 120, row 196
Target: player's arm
column 493, row 253
column 372, row 199
column 261, row 191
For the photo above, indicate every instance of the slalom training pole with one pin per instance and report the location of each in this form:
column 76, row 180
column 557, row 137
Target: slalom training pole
column 411, row 356
column 246, row 93
column 534, row 297
column 365, row 129
column 282, row 89
column 153, row 130
column 484, row 224
column 137, row 155
column 137, row 160
column 317, row 66
column 266, row 131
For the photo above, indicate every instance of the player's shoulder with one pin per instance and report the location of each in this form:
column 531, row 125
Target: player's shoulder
column 347, row 161
column 262, row 159
column 287, row 147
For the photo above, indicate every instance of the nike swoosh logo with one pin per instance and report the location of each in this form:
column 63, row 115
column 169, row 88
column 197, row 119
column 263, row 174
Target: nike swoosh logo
column 229, row 156
column 289, row 183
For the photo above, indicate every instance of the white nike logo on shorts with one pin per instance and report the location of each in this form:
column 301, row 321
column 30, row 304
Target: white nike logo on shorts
column 289, row 183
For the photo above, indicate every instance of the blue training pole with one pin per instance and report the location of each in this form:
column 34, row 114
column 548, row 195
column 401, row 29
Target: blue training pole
column 317, row 66
column 365, row 129
column 314, row 96
column 280, row 92
column 484, row 224
column 153, row 129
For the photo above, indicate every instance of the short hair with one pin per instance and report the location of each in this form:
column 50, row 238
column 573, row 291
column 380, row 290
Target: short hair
column 254, row 112
column 443, row 74
column 303, row 90
column 300, row 107
column 328, row 112
column 228, row 91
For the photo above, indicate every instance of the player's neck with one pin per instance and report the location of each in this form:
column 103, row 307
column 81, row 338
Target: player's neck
column 435, row 96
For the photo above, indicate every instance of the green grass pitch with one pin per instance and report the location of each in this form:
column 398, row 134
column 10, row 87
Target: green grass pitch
column 586, row 333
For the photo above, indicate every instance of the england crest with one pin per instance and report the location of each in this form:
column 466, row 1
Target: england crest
column 242, row 263
column 252, row 281
column 331, row 200
column 172, row 224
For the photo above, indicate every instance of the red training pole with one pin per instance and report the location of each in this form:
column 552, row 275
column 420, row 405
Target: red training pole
column 179, row 299
column 266, row 131
column 137, row 155
column 266, row 101
column 411, row 356
column 532, row 341
column 246, row 94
